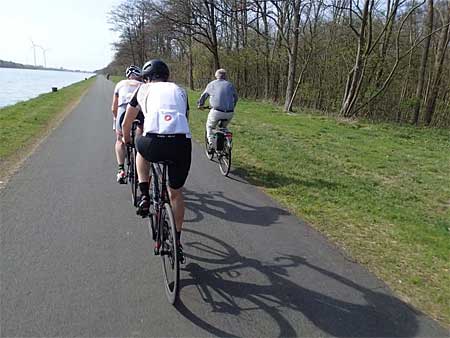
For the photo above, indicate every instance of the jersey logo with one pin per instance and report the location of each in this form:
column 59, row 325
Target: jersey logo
column 167, row 118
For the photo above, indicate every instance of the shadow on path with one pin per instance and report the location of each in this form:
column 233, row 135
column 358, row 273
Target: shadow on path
column 225, row 286
column 217, row 204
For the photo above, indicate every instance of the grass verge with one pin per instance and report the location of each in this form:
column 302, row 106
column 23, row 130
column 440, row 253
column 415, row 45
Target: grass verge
column 381, row 192
column 25, row 123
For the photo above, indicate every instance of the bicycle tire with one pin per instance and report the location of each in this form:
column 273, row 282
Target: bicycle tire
column 136, row 178
column 225, row 159
column 151, row 226
column 209, row 155
column 132, row 176
column 169, row 257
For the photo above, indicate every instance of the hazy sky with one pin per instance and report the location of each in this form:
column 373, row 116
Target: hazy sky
column 75, row 32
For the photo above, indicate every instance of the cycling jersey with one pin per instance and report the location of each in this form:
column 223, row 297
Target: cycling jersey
column 165, row 107
column 125, row 89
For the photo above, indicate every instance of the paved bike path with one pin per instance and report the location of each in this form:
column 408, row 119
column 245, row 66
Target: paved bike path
column 76, row 261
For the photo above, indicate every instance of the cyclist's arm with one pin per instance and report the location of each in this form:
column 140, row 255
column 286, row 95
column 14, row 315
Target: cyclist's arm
column 115, row 104
column 201, row 101
column 187, row 106
column 130, row 115
column 115, row 100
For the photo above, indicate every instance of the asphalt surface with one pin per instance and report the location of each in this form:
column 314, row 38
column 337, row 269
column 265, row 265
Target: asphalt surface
column 77, row 262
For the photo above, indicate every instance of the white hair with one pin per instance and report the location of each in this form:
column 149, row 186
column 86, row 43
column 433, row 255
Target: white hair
column 221, row 73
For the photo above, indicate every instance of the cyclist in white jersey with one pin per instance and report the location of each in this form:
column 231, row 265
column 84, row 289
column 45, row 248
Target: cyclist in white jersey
column 122, row 95
column 166, row 135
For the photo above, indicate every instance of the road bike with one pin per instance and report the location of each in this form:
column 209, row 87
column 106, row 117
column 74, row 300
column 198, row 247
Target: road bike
column 131, row 170
column 163, row 231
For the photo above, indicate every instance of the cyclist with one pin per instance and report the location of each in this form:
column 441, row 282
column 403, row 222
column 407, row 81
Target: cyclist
column 223, row 99
column 166, row 135
column 122, row 95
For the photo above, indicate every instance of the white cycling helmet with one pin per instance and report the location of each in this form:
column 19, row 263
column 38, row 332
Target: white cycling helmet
column 133, row 70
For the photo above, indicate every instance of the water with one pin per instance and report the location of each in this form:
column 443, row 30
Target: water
column 24, row 84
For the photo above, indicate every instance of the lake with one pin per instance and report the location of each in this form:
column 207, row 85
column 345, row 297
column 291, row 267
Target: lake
column 24, row 84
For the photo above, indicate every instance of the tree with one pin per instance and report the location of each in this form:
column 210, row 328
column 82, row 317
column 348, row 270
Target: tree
column 444, row 39
column 424, row 60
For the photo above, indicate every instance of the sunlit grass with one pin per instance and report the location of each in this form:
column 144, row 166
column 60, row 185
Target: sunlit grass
column 23, row 122
column 382, row 192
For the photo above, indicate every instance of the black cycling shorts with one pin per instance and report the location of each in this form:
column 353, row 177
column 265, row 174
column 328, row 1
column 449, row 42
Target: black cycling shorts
column 175, row 149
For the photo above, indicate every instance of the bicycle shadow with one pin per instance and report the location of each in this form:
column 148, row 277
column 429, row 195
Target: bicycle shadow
column 217, row 204
column 222, row 289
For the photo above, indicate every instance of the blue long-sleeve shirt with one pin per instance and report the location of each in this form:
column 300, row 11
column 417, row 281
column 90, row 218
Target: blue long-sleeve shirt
column 222, row 93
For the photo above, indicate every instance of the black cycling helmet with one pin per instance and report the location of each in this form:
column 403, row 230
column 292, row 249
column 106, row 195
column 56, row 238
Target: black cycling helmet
column 133, row 70
column 155, row 69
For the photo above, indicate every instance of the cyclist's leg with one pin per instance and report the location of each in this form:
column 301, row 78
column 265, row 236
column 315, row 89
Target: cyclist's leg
column 120, row 147
column 178, row 173
column 177, row 203
column 139, row 132
column 120, row 156
column 211, row 123
column 229, row 117
column 213, row 119
column 143, row 168
column 143, row 145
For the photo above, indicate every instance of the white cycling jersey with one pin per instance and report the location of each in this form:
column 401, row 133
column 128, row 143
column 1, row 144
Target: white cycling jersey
column 165, row 106
column 125, row 89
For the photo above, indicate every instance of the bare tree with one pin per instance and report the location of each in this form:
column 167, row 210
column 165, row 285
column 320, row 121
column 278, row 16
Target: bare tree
column 424, row 61
column 444, row 39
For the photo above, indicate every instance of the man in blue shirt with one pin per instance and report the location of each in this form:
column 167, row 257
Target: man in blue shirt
column 222, row 99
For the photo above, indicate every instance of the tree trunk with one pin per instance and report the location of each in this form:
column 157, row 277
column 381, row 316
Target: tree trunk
column 300, row 80
column 423, row 63
column 191, row 64
column 437, row 71
column 293, row 52
column 266, row 54
column 357, row 73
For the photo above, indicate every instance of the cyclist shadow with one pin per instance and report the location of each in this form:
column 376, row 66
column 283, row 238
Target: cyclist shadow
column 217, row 204
column 274, row 179
column 225, row 286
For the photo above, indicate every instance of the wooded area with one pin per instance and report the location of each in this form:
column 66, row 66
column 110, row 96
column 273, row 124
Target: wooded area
column 384, row 60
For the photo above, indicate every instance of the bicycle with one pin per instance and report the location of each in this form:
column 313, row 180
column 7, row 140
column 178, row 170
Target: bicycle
column 221, row 147
column 131, row 171
column 163, row 231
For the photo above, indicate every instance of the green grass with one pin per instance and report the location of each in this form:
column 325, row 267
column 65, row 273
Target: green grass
column 381, row 192
column 25, row 121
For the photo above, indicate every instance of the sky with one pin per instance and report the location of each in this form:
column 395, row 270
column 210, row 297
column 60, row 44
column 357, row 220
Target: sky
column 75, row 32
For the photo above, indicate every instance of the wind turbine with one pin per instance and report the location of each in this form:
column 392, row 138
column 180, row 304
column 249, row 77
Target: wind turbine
column 44, row 53
column 33, row 45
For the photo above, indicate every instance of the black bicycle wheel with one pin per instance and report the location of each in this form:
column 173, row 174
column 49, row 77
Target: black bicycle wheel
column 169, row 254
column 136, row 179
column 209, row 154
column 225, row 159
column 132, row 175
